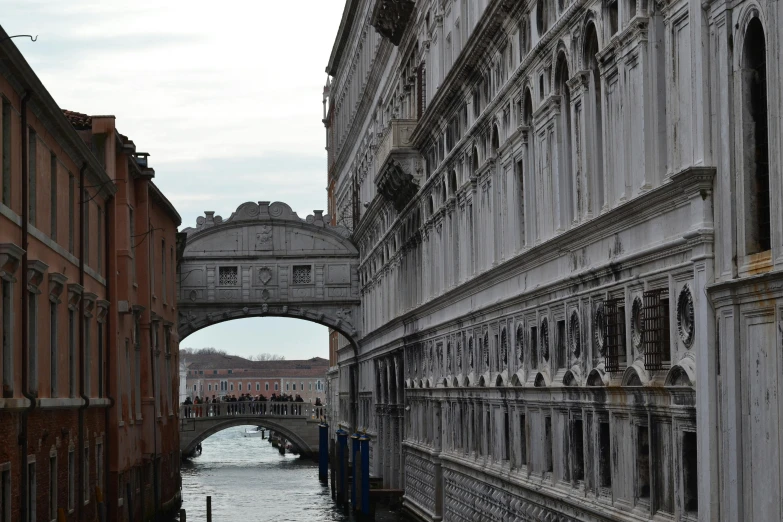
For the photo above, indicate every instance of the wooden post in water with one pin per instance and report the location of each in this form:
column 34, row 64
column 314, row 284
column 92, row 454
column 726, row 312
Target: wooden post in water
column 183, row 517
column 209, row 508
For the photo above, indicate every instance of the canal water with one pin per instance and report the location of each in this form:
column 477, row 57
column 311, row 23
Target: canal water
column 250, row 481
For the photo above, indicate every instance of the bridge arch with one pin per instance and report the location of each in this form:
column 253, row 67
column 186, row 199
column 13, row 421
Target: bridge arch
column 266, row 261
column 302, row 433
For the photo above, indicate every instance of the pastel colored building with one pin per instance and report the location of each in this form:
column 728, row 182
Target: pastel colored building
column 68, row 304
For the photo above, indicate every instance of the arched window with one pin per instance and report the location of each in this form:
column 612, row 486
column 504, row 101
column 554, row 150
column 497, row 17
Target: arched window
column 756, row 136
column 474, row 163
column 542, row 15
column 565, row 181
column 596, row 169
column 453, row 181
column 495, row 141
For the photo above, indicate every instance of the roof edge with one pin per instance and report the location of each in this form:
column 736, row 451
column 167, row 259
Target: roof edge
column 349, row 13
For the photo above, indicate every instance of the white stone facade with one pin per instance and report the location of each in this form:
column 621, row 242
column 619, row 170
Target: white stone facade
column 570, row 232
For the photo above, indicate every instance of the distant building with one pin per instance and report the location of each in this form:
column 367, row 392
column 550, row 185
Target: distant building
column 87, row 318
column 220, row 375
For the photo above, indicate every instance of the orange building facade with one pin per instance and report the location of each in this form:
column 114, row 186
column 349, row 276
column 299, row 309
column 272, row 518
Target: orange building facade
column 87, row 264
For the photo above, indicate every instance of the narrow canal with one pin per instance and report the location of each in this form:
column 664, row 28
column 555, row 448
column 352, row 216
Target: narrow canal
column 250, row 481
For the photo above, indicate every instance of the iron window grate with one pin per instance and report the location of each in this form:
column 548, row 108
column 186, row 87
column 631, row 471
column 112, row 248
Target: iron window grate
column 614, row 335
column 655, row 336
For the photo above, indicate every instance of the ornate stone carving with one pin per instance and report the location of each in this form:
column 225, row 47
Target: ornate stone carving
column 575, row 335
column 264, row 238
column 503, row 348
column 264, row 274
column 685, row 316
column 545, row 339
column 599, row 327
column 390, row 18
column 637, row 323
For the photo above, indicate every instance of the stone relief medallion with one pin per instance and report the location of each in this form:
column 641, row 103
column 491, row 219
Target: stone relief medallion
column 265, row 294
column 575, row 334
column 545, row 339
column 193, row 295
column 521, row 343
column 599, row 328
column 685, row 316
column 264, row 274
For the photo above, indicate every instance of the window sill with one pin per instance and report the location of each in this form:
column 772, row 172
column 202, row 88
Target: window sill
column 756, row 264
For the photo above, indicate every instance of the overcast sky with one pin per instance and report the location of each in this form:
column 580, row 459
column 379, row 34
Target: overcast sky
column 225, row 96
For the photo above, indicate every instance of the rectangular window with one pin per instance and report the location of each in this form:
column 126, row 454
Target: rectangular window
column 302, row 274
column 32, row 181
column 655, row 331
column 5, row 493
column 690, row 477
column 71, row 211
column 53, row 349
column 6, row 153
column 32, row 341
column 163, row 280
column 266, row 386
column 71, row 480
column 53, row 197
column 507, row 437
column 86, row 227
column 562, row 354
column 209, row 387
column 132, row 224
column 228, row 276
column 8, row 349
column 578, row 450
column 52, row 487
column 240, row 386
column 258, row 386
column 614, row 335
column 71, row 353
column 643, row 463
column 275, row 386
column 99, row 239
column 32, row 494
column 604, row 456
column 87, row 358
column 523, row 440
column 86, row 475
column 100, row 360
column 548, row 444
column 232, row 386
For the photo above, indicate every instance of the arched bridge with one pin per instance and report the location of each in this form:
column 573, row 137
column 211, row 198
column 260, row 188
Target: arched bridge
column 296, row 421
column 264, row 260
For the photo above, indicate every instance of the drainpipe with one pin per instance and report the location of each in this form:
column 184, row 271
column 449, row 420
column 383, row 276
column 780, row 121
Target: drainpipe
column 25, row 318
column 82, row 206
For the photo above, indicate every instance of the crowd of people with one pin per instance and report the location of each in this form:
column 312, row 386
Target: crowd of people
column 245, row 404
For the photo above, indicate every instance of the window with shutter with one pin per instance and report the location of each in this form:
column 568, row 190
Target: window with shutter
column 655, row 336
column 614, row 335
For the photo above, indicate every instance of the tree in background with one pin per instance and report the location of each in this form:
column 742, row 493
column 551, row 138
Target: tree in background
column 267, row 357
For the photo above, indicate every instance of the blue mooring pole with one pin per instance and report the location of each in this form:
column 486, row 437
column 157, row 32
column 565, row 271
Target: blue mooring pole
column 342, row 464
column 364, row 444
column 323, row 452
column 354, row 451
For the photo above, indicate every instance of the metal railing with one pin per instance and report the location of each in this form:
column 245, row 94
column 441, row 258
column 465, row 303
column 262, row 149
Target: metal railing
column 252, row 408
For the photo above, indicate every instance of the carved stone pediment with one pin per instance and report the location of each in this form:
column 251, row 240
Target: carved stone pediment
column 10, row 257
column 57, row 283
column 35, row 275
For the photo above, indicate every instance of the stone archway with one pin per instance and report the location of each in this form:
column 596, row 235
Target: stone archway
column 266, row 261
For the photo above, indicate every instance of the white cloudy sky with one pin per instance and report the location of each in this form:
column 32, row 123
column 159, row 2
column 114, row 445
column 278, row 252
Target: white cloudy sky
column 225, row 96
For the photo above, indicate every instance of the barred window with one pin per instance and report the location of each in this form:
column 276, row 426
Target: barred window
column 655, row 336
column 614, row 335
column 302, row 274
column 228, row 276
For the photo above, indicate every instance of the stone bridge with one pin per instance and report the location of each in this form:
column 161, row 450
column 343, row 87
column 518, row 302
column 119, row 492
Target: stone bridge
column 295, row 421
column 264, row 260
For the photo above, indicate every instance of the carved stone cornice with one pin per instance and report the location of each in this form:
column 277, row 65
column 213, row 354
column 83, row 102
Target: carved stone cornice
column 35, row 275
column 57, row 283
column 10, row 257
column 74, row 295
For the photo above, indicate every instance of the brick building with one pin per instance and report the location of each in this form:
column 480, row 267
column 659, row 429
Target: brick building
column 219, row 375
column 69, row 182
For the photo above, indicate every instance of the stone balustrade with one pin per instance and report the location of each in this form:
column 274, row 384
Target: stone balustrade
column 250, row 408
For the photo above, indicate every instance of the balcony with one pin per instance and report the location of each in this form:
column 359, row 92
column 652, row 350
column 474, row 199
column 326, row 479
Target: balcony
column 398, row 164
column 390, row 17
